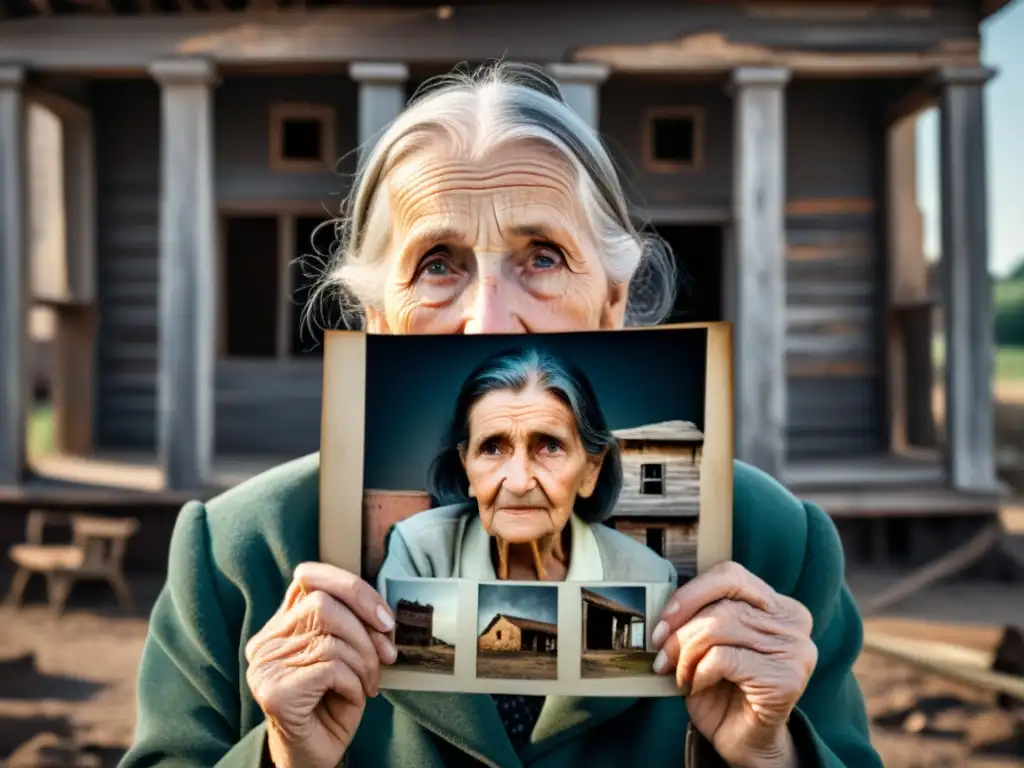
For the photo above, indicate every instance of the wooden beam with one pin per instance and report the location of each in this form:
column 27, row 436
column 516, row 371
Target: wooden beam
column 188, row 251
column 967, row 290
column 14, row 278
column 381, row 97
column 760, row 266
column 420, row 35
column 714, row 52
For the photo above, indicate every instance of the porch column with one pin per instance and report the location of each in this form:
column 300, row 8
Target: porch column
column 760, row 266
column 188, row 249
column 14, row 278
column 580, row 84
column 967, row 297
column 381, row 98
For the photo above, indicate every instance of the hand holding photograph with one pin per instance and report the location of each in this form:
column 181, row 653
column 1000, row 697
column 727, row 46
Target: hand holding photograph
column 528, row 504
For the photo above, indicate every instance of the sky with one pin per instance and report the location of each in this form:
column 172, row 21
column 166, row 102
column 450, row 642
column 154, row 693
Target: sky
column 1002, row 49
column 443, row 595
column 526, row 601
column 631, row 597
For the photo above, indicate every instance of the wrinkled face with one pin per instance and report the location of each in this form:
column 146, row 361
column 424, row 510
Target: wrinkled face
column 526, row 464
column 497, row 246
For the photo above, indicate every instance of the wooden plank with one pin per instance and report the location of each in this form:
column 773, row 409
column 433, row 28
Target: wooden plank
column 954, row 662
column 74, row 380
column 759, row 247
column 188, row 251
column 14, row 278
column 829, row 206
column 970, row 415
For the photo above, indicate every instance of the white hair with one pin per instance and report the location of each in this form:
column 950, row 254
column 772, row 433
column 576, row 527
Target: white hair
column 476, row 113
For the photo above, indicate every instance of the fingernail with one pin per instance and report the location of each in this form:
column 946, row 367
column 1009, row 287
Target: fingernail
column 390, row 652
column 386, row 621
column 660, row 662
column 671, row 607
column 659, row 634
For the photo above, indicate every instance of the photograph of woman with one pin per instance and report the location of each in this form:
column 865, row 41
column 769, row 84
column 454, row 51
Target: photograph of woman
column 490, row 206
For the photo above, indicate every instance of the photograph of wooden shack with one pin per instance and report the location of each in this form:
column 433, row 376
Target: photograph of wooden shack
column 660, row 500
column 426, row 617
column 613, row 633
column 517, row 632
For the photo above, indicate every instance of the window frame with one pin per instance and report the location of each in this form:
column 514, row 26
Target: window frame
column 656, row 165
column 286, row 214
column 280, row 113
column 659, row 480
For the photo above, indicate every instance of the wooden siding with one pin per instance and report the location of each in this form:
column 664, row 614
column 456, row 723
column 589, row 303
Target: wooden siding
column 834, row 272
column 680, row 541
column 262, row 408
column 267, row 408
column 627, row 100
column 127, row 123
column 681, row 485
column 242, row 129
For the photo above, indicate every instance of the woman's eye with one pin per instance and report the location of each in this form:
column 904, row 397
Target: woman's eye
column 437, row 263
column 546, row 257
column 490, row 448
column 552, row 446
column 437, row 268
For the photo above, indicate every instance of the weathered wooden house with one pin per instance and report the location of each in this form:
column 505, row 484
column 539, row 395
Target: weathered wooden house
column 414, row 623
column 770, row 142
column 660, row 500
column 514, row 633
column 608, row 625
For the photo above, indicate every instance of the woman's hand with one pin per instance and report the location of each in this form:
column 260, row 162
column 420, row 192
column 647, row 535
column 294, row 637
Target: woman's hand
column 315, row 662
column 743, row 655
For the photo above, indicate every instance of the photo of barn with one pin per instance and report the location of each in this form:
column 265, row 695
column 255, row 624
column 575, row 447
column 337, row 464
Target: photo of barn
column 613, row 634
column 426, row 618
column 517, row 632
column 660, row 501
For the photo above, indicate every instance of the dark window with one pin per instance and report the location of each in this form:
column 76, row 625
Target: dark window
column 302, row 139
column 251, row 278
column 674, row 140
column 652, row 479
column 314, row 239
column 499, row 634
column 656, row 540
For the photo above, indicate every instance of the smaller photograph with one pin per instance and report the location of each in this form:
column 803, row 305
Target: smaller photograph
column 426, row 621
column 517, row 632
column 613, row 634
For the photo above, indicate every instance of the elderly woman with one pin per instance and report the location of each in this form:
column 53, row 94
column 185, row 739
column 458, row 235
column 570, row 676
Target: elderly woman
column 529, row 467
column 489, row 206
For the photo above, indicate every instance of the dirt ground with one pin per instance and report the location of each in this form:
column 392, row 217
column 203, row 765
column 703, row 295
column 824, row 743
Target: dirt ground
column 516, row 665
column 438, row 659
column 601, row 664
column 73, row 678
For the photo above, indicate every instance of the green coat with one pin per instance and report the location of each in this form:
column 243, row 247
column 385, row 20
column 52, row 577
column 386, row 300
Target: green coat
column 231, row 560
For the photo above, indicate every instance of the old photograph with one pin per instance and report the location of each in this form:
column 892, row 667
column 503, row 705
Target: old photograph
column 517, row 626
column 426, row 623
column 639, row 472
column 614, row 632
column 517, row 463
